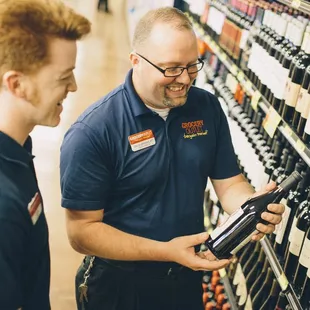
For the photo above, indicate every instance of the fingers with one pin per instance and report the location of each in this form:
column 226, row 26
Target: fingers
column 277, row 208
column 193, row 240
column 204, row 264
column 258, row 237
column 270, row 186
column 274, row 219
column 265, row 229
column 206, row 255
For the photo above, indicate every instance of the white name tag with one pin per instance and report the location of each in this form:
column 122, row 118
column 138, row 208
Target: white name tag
column 141, row 140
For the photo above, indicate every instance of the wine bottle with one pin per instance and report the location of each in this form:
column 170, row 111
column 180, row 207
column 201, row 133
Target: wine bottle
column 271, row 301
column 241, row 225
column 262, row 294
column 241, row 293
column 304, row 298
column 303, row 264
column 303, row 103
column 298, row 236
column 306, row 134
column 257, row 285
column 294, row 199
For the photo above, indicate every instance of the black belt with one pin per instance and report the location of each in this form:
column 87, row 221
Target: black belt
column 163, row 269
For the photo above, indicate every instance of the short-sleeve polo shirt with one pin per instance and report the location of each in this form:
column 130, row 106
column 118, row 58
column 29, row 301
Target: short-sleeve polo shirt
column 149, row 175
column 24, row 249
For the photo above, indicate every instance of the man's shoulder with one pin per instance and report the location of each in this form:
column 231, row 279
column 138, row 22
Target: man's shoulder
column 203, row 98
column 104, row 107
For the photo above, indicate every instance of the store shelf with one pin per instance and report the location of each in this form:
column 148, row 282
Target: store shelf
column 302, row 6
column 263, row 103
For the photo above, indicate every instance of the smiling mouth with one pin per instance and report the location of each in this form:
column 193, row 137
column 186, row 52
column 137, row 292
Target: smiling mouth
column 176, row 88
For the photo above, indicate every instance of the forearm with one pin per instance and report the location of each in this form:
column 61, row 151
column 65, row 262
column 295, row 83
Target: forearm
column 235, row 195
column 102, row 240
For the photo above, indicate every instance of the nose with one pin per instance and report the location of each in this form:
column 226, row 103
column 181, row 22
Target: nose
column 184, row 78
column 72, row 87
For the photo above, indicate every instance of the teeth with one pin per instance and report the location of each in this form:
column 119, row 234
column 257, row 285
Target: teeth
column 174, row 88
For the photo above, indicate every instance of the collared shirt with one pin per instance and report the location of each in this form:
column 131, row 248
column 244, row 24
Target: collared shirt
column 149, row 175
column 24, row 250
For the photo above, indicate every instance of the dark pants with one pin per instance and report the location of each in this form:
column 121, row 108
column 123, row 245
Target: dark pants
column 115, row 285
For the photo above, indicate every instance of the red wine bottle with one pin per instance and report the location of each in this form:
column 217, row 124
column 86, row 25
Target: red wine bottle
column 239, row 228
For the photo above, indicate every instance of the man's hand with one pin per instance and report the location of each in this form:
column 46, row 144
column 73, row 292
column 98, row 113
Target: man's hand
column 182, row 251
column 274, row 217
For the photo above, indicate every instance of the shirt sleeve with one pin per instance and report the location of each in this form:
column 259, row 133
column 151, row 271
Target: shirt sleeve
column 14, row 231
column 226, row 165
column 84, row 169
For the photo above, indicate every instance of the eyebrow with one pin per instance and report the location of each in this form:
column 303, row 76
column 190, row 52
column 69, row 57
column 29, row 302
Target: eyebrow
column 176, row 64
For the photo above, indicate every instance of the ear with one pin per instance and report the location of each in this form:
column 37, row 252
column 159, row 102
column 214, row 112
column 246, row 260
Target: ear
column 14, row 82
column 134, row 59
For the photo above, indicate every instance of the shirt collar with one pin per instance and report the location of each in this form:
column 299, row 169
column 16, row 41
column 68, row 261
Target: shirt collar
column 137, row 105
column 13, row 151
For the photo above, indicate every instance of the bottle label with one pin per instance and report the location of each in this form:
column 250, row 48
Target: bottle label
column 308, row 273
column 237, row 214
column 297, row 239
column 244, row 37
column 307, row 127
column 248, row 305
column 215, row 214
column 283, row 224
column 304, row 258
column 243, row 293
column 238, row 275
column 292, row 229
column 244, row 242
column 292, row 94
column 301, row 102
column 306, row 105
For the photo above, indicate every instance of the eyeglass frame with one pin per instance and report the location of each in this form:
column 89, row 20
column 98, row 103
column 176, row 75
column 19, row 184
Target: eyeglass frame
column 200, row 61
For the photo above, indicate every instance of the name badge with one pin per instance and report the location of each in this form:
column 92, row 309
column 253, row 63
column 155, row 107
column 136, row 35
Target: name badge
column 141, row 140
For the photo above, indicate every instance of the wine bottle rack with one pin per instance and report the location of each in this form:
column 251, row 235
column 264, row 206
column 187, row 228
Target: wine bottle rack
column 226, row 282
column 300, row 5
column 263, row 103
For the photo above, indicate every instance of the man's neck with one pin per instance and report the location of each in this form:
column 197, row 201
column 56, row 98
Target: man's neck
column 13, row 123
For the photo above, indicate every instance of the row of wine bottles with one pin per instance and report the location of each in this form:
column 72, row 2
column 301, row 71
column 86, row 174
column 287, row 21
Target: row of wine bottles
column 272, row 47
column 273, row 159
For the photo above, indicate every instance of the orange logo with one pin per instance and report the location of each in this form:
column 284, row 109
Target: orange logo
column 194, row 129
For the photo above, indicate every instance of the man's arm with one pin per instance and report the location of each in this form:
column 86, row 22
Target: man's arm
column 88, row 235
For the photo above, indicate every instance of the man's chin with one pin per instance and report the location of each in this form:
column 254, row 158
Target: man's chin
column 175, row 102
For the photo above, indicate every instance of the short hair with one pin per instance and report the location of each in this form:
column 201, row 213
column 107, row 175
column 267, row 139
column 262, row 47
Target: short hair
column 26, row 27
column 168, row 15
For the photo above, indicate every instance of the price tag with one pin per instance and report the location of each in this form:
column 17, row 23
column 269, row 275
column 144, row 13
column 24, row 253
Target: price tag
column 222, row 272
column 282, row 280
column 296, row 3
column 240, row 76
column 234, row 70
column 300, row 146
column 255, row 100
column 288, row 131
column 248, row 85
column 271, row 121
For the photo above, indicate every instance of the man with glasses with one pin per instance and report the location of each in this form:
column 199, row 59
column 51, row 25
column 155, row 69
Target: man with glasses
column 134, row 168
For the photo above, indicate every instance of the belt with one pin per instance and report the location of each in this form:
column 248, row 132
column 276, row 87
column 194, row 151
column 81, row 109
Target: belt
column 162, row 269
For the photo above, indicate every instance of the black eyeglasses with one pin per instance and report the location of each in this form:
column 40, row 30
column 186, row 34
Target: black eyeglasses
column 176, row 71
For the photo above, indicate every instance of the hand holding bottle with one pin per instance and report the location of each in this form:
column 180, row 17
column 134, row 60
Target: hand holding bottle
column 273, row 217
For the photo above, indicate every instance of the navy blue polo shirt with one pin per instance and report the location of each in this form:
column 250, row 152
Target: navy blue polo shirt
column 149, row 175
column 24, row 249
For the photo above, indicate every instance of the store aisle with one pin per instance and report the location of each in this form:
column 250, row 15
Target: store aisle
column 101, row 65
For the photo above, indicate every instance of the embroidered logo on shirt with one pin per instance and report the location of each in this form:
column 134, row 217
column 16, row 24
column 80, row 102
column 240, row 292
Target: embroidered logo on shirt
column 141, row 140
column 194, row 129
column 35, row 208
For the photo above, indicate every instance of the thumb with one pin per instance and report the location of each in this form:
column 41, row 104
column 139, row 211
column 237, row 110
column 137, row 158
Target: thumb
column 193, row 240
